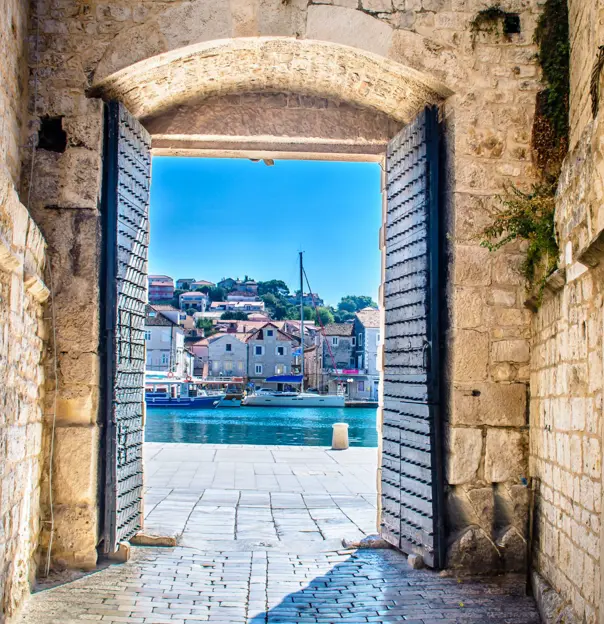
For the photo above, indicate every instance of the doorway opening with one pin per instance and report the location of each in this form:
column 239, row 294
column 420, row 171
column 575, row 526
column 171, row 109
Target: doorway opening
column 230, row 453
column 409, row 469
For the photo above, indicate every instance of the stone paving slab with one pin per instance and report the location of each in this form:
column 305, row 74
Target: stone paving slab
column 186, row 586
column 265, row 496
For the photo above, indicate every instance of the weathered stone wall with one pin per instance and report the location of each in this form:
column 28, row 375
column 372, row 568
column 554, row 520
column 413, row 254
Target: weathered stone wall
column 566, row 364
column 161, row 58
column 284, row 124
column 22, row 329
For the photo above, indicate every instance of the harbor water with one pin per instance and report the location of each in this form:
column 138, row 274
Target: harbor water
column 298, row 426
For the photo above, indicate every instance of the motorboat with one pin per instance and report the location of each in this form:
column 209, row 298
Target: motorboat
column 265, row 397
column 165, row 390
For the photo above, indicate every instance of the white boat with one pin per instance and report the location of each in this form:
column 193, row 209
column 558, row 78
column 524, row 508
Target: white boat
column 271, row 398
column 265, row 397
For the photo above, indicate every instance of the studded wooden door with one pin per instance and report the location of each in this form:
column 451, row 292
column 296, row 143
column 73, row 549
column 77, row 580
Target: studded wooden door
column 411, row 443
column 126, row 185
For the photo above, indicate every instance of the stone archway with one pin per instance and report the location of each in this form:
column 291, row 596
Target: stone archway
column 175, row 54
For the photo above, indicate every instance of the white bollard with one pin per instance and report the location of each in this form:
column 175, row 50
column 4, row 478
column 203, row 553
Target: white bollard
column 339, row 440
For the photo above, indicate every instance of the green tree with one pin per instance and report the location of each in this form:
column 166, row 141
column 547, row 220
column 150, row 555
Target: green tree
column 341, row 316
column 216, row 294
column 191, row 311
column 353, row 303
column 207, row 326
column 278, row 288
column 293, row 313
column 233, row 316
column 325, row 315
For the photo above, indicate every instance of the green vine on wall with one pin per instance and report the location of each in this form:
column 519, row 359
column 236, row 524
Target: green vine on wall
column 529, row 216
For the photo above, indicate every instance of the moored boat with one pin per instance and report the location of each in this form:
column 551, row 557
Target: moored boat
column 163, row 390
column 273, row 398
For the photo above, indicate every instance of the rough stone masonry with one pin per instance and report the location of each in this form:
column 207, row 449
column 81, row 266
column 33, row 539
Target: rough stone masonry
column 165, row 59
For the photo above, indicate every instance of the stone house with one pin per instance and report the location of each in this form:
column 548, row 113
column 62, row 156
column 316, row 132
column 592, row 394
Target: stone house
column 184, row 283
column 270, row 352
column 339, row 346
column 367, row 332
column 227, row 284
column 165, row 343
column 521, row 391
column 227, row 355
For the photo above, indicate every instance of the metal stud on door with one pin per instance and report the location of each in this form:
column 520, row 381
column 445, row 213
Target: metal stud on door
column 412, row 518
column 126, row 185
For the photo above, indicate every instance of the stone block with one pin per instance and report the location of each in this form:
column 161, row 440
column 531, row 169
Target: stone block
column 469, row 306
column 513, row 549
column 76, row 404
column 71, row 179
column 482, row 502
column 75, row 536
column 464, row 452
column 496, row 404
column 511, row 351
column 472, row 266
column 507, row 269
column 506, row 455
column 470, row 355
column 416, row 562
column 500, row 297
column 473, row 551
column 348, row 27
column 76, row 465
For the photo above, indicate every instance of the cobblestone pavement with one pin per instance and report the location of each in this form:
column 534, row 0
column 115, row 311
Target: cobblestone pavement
column 249, row 555
column 208, row 493
column 186, row 586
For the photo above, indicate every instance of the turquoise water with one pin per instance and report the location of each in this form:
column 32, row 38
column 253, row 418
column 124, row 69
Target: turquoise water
column 260, row 425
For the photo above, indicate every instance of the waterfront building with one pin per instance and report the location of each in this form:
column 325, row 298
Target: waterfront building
column 367, row 333
column 161, row 288
column 165, row 342
column 227, row 355
column 270, row 352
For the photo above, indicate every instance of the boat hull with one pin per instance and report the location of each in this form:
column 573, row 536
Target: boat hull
column 183, row 402
column 229, row 402
column 294, row 401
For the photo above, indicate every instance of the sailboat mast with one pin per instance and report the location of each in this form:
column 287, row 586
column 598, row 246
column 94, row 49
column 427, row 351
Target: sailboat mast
column 302, row 322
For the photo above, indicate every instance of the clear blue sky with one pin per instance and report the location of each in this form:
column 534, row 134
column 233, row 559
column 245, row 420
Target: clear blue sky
column 215, row 218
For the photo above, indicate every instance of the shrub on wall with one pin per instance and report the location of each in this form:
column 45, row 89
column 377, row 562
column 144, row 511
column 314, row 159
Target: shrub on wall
column 529, row 216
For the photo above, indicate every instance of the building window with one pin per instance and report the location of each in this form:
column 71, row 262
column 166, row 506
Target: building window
column 269, row 333
column 240, row 367
column 165, row 358
column 215, row 365
column 147, row 335
column 354, row 341
column 229, row 346
column 378, row 339
column 228, row 366
column 280, row 351
column 258, row 369
column 361, row 386
column 280, row 369
column 334, row 341
column 360, row 340
column 258, row 350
